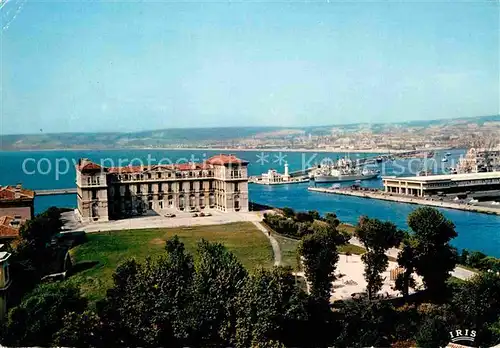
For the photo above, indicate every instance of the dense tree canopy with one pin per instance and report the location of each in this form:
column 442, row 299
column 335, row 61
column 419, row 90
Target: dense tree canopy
column 433, row 257
column 299, row 224
column 208, row 299
column 320, row 256
column 377, row 237
column 35, row 320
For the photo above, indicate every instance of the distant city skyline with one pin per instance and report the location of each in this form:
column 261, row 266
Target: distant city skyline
column 110, row 66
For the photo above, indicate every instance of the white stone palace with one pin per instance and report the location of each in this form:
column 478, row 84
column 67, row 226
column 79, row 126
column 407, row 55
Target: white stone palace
column 105, row 193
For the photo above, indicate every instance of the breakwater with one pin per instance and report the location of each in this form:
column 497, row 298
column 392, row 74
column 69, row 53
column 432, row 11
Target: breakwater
column 56, row 192
column 377, row 194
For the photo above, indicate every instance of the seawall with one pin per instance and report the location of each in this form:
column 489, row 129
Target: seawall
column 410, row 200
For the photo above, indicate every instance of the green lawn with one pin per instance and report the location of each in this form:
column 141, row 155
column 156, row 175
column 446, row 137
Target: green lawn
column 112, row 248
column 347, row 228
column 353, row 249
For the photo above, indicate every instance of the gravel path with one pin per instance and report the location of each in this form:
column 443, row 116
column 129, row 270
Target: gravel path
column 274, row 242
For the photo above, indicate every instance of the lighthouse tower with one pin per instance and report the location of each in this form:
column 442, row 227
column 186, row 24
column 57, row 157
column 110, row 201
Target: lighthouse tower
column 286, row 176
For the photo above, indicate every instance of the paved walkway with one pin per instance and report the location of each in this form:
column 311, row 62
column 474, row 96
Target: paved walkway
column 160, row 221
column 274, row 242
column 458, row 272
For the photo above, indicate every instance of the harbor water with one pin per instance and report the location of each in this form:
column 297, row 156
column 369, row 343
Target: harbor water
column 55, row 169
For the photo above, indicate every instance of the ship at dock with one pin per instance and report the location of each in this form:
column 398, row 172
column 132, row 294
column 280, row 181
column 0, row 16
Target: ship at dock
column 343, row 170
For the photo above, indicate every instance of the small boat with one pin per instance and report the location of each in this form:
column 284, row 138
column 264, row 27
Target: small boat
column 335, row 186
column 448, row 154
column 444, row 159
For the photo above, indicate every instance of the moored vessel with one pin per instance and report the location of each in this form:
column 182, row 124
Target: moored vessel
column 342, row 171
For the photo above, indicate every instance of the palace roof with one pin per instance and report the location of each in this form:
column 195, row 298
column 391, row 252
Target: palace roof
column 88, row 166
column 225, row 159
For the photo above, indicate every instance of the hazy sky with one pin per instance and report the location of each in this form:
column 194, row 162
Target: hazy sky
column 121, row 66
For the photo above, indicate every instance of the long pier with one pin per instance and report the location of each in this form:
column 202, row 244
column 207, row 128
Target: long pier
column 56, row 192
column 410, row 200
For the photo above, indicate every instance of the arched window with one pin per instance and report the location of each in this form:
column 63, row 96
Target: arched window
column 181, row 202
column 236, row 202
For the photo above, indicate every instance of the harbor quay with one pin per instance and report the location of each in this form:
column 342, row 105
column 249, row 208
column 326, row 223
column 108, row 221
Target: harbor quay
column 401, row 198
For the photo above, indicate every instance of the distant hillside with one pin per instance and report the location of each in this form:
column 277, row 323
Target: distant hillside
column 179, row 137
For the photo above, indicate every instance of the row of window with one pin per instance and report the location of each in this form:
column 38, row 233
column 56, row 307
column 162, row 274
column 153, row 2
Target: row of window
column 160, row 175
column 465, row 183
column 191, row 202
column 167, row 187
column 91, row 180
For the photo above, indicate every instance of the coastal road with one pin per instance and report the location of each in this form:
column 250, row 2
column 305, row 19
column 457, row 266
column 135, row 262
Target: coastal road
column 458, row 272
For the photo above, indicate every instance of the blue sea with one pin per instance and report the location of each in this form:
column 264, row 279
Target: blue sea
column 55, row 169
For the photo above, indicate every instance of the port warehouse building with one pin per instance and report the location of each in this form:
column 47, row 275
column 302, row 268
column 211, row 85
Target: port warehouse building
column 421, row 186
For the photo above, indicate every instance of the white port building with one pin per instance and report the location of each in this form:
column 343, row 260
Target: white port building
column 421, row 186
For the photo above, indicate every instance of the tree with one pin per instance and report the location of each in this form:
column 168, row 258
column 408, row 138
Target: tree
column 477, row 303
column 377, row 237
column 435, row 324
column 151, row 304
column 288, row 212
column 40, row 315
column 434, row 258
column 320, row 256
column 433, row 332
column 218, row 281
column 33, row 254
column 375, row 264
column 406, row 259
column 332, row 219
column 271, row 308
column 314, row 214
column 365, row 324
column 80, row 330
column 464, row 257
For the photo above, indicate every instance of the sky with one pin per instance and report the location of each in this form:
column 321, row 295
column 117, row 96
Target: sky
column 73, row 66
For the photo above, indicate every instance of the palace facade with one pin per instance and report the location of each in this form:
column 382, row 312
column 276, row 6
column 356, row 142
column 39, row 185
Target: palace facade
column 104, row 193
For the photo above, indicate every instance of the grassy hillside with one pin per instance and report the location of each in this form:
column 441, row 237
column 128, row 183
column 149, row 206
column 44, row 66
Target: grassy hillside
column 109, row 249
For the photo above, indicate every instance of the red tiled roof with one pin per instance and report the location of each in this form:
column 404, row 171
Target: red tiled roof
column 6, row 230
column 9, row 193
column 189, row 166
column 91, row 166
column 126, row 169
column 225, row 159
column 139, row 169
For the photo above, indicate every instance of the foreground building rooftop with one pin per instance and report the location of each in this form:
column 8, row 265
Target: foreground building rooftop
column 9, row 193
column 9, row 226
